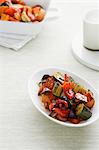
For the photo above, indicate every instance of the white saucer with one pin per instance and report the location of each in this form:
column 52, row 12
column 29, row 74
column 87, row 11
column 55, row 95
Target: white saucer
column 83, row 55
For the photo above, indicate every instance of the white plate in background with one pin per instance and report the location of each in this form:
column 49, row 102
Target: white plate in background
column 87, row 57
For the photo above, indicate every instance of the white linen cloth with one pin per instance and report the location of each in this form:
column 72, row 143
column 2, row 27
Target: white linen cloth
column 14, row 41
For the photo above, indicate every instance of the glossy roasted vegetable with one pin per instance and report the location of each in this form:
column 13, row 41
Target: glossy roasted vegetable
column 90, row 100
column 46, row 76
column 65, row 99
column 81, row 97
column 18, row 2
column 47, row 99
column 57, row 89
column 5, row 2
column 59, row 77
column 44, row 91
column 83, row 112
column 39, row 13
column 69, row 94
column 19, row 11
column 78, row 88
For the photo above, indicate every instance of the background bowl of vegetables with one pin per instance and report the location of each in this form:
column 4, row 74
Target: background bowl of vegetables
column 23, row 16
column 64, row 97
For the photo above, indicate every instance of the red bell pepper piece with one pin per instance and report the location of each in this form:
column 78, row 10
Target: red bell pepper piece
column 59, row 101
column 10, row 11
column 30, row 14
column 64, row 119
column 89, row 96
column 62, row 113
column 90, row 100
column 66, row 86
column 66, row 78
column 90, row 103
column 18, row 2
column 51, row 106
column 69, row 94
column 74, row 120
column 2, row 1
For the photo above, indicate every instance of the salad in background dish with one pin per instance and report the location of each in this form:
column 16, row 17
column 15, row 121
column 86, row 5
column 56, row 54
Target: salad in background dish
column 18, row 11
column 65, row 99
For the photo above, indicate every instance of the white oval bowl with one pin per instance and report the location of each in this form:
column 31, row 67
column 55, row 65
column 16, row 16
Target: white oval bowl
column 33, row 92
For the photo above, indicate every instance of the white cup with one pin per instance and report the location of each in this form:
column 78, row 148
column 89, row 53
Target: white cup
column 91, row 30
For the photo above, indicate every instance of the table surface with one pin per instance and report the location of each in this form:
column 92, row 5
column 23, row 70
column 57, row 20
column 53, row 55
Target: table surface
column 22, row 127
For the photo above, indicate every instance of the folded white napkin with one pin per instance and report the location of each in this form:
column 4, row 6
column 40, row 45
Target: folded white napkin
column 17, row 41
column 14, row 41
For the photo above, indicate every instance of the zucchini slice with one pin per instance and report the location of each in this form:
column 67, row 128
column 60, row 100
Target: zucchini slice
column 83, row 112
column 83, row 90
column 59, row 77
column 62, row 94
column 76, row 88
column 57, row 89
column 80, row 89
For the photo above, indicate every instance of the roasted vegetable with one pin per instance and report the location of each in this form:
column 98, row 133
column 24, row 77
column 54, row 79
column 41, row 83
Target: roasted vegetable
column 51, row 106
column 30, row 14
column 10, row 11
column 57, row 89
column 44, row 91
column 12, row 19
column 3, row 9
column 78, row 88
column 90, row 103
column 65, row 99
column 72, row 114
column 64, row 119
column 62, row 113
column 63, row 96
column 46, row 84
column 47, row 99
column 18, row 2
column 46, row 76
column 17, row 16
column 69, row 94
column 59, row 77
column 5, row 17
column 74, row 120
column 61, row 104
column 68, row 78
column 49, row 83
column 90, row 99
column 53, row 114
column 5, row 2
column 20, row 11
column 39, row 13
column 25, row 17
column 83, row 112
column 81, row 97
column 70, row 102
column 68, row 85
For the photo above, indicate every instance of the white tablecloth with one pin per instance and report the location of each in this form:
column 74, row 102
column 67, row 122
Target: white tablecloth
column 22, row 127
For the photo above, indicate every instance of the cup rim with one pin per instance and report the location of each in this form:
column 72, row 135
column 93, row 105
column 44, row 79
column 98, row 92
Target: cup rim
column 86, row 15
